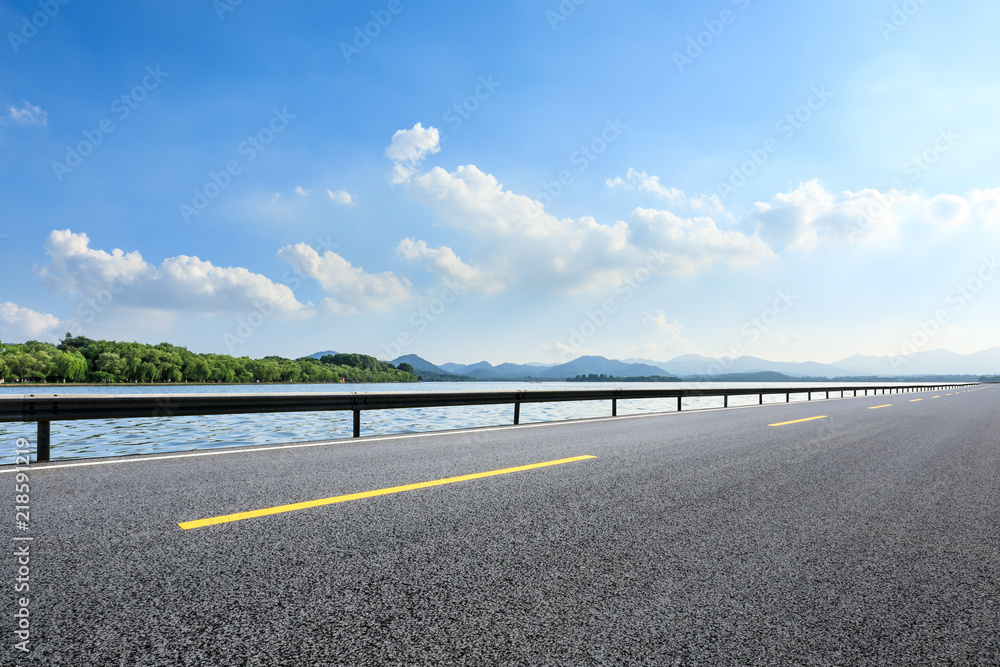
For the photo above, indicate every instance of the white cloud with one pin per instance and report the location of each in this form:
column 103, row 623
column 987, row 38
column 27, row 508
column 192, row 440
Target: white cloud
column 28, row 114
column 522, row 242
column 640, row 180
column 341, row 197
column 301, row 191
column 352, row 288
column 409, row 148
column 444, row 263
column 180, row 283
column 810, row 215
column 75, row 267
column 694, row 245
column 19, row 324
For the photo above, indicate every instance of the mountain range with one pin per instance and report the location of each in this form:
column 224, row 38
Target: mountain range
column 694, row 366
column 484, row 370
column 931, row 362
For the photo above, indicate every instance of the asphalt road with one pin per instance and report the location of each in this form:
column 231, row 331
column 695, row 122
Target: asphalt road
column 871, row 536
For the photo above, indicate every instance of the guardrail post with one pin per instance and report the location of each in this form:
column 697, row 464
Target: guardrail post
column 614, row 407
column 828, row 394
column 725, row 400
column 517, row 412
column 761, row 400
column 810, row 395
column 788, row 397
column 42, row 443
column 678, row 404
column 357, row 422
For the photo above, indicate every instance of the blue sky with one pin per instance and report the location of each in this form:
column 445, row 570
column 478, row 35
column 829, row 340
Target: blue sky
column 524, row 182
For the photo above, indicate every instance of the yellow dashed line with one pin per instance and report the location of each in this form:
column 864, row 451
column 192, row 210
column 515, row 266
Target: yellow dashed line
column 798, row 421
column 280, row 509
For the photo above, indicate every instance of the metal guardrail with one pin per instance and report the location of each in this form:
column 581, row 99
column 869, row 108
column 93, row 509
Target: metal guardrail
column 44, row 409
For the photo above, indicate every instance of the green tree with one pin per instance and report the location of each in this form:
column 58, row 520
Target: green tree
column 112, row 364
column 70, row 366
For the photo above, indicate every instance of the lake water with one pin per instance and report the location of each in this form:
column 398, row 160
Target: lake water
column 113, row 437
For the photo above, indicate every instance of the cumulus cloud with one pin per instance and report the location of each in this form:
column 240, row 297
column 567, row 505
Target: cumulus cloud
column 301, row 191
column 408, row 149
column 444, row 263
column 695, row 244
column 19, row 323
column 663, row 338
column 341, row 197
column 180, row 283
column 810, row 216
column 523, row 242
column 352, row 288
column 640, row 180
column 29, row 114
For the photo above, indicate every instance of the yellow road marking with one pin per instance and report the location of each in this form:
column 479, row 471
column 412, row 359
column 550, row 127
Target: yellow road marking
column 876, row 407
column 798, row 421
column 239, row 516
column 914, row 400
column 936, row 396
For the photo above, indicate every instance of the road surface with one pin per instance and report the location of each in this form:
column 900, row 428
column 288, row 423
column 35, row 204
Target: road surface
column 856, row 531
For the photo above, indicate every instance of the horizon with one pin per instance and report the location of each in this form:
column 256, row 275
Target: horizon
column 547, row 182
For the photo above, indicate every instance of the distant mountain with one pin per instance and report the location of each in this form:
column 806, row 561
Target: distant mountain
column 484, row 370
column 320, row 355
column 929, row 362
column 428, row 372
column 599, row 365
column 487, row 371
column 418, row 363
column 695, row 366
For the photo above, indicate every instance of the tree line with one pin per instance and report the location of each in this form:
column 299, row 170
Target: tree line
column 80, row 359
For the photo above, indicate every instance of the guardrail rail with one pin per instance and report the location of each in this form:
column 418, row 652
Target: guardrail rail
column 47, row 408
